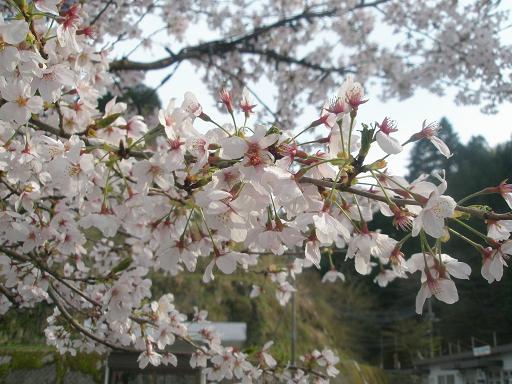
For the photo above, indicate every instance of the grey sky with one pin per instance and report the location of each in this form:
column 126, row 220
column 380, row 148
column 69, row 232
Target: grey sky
column 409, row 114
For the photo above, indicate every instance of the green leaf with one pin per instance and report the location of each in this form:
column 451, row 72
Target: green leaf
column 366, row 139
column 106, row 121
column 273, row 129
column 123, row 264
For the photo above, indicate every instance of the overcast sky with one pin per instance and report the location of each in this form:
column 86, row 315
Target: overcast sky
column 468, row 121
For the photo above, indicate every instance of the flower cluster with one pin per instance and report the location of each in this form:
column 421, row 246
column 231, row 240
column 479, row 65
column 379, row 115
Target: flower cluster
column 92, row 202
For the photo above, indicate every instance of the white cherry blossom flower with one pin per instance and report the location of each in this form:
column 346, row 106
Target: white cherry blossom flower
column 437, row 208
column 21, row 102
column 149, row 356
column 332, row 275
column 384, row 277
column 388, row 144
column 284, row 292
column 494, row 260
column 499, row 230
column 226, row 262
column 246, row 103
column 430, row 132
column 66, row 31
column 436, row 276
column 255, row 291
column 265, row 357
column 14, row 31
column 49, row 6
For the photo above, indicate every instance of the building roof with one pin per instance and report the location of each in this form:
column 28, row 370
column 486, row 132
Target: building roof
column 232, row 335
column 466, row 359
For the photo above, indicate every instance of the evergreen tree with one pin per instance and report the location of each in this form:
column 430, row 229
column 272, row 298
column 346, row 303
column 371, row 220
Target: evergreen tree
column 473, row 166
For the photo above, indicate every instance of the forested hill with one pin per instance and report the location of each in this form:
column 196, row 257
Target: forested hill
column 483, row 309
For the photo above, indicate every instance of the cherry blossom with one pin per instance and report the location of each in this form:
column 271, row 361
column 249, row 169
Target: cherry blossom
column 437, row 208
column 430, row 132
column 505, row 190
column 21, row 102
column 495, row 260
column 435, row 276
column 246, row 103
column 107, row 202
column 332, row 275
column 388, row 144
column 499, row 229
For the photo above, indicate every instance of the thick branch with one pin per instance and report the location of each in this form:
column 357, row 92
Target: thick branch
column 281, row 58
column 55, row 131
column 7, row 293
column 472, row 211
column 48, row 128
column 242, row 44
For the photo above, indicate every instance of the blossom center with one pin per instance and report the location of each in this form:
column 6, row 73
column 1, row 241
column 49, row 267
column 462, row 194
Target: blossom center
column 74, row 170
column 22, row 101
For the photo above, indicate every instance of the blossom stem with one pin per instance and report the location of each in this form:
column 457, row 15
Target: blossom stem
column 358, row 208
column 234, row 121
column 404, row 239
column 396, row 183
column 301, row 132
column 220, row 126
column 340, row 126
column 186, row 224
column 209, row 230
column 116, row 164
column 479, row 193
column 390, row 203
column 333, row 188
column 303, row 171
column 469, row 241
column 144, row 136
column 471, row 229
column 425, row 242
column 105, row 192
column 45, row 37
column 439, row 252
column 330, row 258
column 352, row 221
column 309, row 142
column 403, row 145
column 352, row 120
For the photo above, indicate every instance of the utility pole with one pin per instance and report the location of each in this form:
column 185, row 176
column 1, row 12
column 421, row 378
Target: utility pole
column 293, row 330
column 381, row 352
column 431, row 327
column 494, row 338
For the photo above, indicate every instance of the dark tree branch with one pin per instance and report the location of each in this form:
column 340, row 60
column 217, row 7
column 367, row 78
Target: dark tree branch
column 7, row 293
column 472, row 211
column 75, row 324
column 241, row 44
column 281, row 58
column 100, row 13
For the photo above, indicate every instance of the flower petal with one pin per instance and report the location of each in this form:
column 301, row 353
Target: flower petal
column 388, row 144
column 441, row 146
